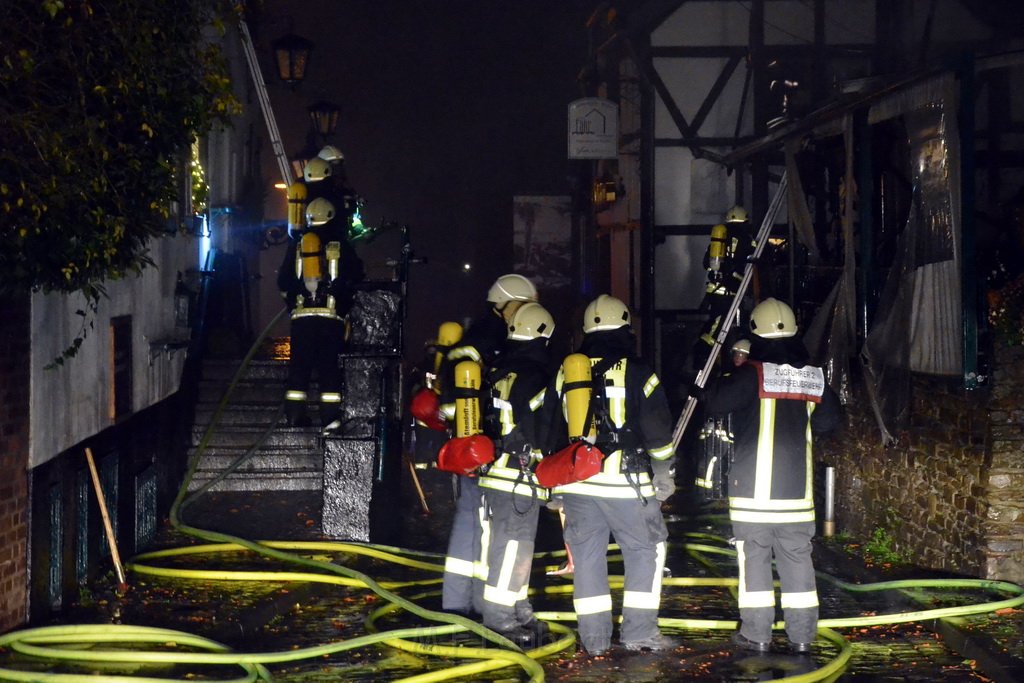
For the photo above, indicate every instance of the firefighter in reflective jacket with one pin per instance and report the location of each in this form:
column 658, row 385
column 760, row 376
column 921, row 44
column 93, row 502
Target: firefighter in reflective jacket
column 317, row 279
column 725, row 260
column 517, row 381
column 465, row 567
column 633, row 428
column 778, row 402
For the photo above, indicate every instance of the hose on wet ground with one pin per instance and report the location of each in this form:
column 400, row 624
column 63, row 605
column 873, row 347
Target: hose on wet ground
column 51, row 643
column 80, row 643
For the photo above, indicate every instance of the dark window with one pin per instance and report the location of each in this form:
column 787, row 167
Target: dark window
column 121, row 366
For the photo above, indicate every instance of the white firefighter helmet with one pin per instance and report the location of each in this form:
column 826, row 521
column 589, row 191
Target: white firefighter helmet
column 531, row 321
column 736, row 214
column 741, row 346
column 605, row 313
column 331, row 154
column 511, row 287
column 316, row 169
column 319, row 211
column 772, row 319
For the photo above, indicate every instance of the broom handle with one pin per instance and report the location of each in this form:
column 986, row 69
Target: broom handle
column 106, row 517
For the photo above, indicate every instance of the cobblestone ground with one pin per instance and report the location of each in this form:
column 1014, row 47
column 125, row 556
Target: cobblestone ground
column 263, row 616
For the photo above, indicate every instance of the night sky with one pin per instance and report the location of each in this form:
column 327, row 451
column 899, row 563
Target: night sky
column 449, row 109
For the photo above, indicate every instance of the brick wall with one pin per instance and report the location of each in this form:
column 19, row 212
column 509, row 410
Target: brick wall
column 951, row 491
column 14, row 416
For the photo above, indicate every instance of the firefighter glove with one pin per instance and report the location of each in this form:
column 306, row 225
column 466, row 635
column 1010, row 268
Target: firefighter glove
column 664, row 478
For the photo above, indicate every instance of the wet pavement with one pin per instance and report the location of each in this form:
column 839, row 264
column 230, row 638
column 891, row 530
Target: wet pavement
column 265, row 615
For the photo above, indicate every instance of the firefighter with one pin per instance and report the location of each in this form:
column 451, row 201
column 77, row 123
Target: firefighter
column 633, row 428
column 317, row 280
column 778, row 402
column 513, row 497
column 728, row 252
column 465, row 562
column 740, row 352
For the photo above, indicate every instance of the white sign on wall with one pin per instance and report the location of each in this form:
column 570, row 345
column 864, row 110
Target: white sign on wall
column 593, row 129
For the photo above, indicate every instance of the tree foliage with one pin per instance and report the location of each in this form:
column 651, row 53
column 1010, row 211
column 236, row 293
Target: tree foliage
column 99, row 99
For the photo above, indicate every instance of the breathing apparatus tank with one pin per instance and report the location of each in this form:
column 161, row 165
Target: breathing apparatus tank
column 448, row 335
column 297, row 194
column 307, row 262
column 576, row 371
column 717, row 248
column 467, row 399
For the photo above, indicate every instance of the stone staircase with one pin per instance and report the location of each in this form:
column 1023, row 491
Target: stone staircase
column 288, row 458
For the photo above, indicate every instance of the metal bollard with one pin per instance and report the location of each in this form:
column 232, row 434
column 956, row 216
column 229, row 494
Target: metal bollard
column 829, row 524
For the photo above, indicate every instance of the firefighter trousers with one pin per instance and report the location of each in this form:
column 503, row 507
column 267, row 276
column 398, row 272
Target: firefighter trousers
column 791, row 546
column 639, row 529
column 462, row 587
column 513, row 530
column 315, row 345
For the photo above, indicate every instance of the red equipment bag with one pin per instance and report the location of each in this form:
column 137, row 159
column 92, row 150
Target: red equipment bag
column 576, row 462
column 426, row 407
column 464, row 454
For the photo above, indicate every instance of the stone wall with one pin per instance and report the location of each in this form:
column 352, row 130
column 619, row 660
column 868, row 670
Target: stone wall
column 929, row 490
column 14, row 430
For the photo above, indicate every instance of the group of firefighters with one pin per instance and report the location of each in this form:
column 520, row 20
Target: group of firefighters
column 591, row 437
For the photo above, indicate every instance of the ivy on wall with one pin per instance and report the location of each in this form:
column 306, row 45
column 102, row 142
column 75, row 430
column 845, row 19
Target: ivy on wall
column 100, row 100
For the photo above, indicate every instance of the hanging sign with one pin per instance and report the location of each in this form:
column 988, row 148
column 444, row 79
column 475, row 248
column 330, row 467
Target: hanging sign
column 593, row 129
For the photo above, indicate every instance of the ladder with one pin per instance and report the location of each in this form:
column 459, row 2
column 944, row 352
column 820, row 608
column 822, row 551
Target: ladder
column 730, row 317
column 268, row 112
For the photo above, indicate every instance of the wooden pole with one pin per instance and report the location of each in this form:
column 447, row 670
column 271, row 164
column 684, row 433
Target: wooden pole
column 122, row 584
column 416, row 481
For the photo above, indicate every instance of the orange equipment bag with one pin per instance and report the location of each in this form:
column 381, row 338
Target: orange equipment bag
column 464, row 454
column 426, row 407
column 576, row 462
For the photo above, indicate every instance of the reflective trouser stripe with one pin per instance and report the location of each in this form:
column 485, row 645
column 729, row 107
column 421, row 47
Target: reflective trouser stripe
column 747, row 597
column 595, row 604
column 500, row 593
column 330, row 397
column 454, row 565
column 460, row 590
column 293, row 395
column 513, row 527
column 485, row 541
column 648, row 599
column 799, row 600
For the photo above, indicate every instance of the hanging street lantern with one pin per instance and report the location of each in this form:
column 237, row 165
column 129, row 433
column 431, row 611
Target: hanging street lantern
column 324, row 116
column 291, row 55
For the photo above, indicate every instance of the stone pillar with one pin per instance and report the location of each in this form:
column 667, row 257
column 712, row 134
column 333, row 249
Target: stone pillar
column 348, row 488
column 1003, row 547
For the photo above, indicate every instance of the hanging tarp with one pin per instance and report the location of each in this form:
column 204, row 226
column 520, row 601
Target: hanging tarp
column 918, row 326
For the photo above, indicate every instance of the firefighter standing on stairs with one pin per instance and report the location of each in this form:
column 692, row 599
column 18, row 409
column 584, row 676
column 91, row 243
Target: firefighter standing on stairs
column 726, row 258
column 634, row 429
column 316, row 279
column 465, row 562
column 513, row 497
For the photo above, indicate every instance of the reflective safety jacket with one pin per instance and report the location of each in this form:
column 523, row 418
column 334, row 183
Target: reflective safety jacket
column 776, row 409
column 517, row 383
column 639, row 423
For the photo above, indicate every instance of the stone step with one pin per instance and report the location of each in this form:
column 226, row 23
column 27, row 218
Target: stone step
column 243, row 393
column 224, row 370
column 263, row 462
column 239, row 437
column 253, row 415
column 293, row 480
